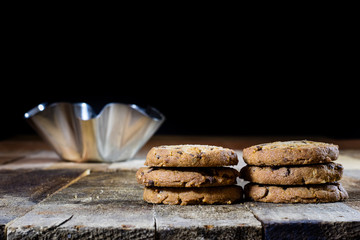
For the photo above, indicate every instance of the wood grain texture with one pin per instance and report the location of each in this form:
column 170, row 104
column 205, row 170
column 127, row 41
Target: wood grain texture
column 7, row 159
column 206, row 222
column 110, row 204
column 308, row 221
column 113, row 220
column 352, row 186
column 101, row 205
column 39, row 199
column 21, row 190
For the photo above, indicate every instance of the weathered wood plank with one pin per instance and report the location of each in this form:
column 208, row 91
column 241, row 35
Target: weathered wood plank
column 22, row 147
column 355, row 153
column 100, row 205
column 349, row 162
column 352, row 186
column 29, row 163
column 35, row 160
column 206, row 222
column 308, row 221
column 129, row 165
column 72, row 165
column 7, row 159
column 20, row 190
column 113, row 220
column 108, row 204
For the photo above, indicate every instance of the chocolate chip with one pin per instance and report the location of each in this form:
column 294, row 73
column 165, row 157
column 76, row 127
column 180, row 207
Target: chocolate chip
column 180, row 152
column 151, row 183
column 197, row 155
column 151, row 169
column 274, row 168
column 303, row 181
column 287, row 173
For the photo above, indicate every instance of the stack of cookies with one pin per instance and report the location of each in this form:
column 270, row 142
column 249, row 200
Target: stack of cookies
column 190, row 174
column 293, row 172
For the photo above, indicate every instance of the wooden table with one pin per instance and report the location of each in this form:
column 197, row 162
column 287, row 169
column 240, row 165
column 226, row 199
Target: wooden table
column 43, row 197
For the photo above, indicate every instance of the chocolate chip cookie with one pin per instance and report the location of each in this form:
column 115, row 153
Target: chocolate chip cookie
column 293, row 175
column 187, row 196
column 290, row 153
column 296, row 194
column 190, row 156
column 186, row 177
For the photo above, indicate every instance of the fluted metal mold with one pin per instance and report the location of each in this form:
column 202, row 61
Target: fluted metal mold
column 77, row 134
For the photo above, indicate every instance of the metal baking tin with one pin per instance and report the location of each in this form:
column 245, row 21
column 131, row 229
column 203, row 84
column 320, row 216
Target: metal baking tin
column 77, row 134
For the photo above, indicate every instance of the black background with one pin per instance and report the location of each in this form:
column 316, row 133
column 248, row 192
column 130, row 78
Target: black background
column 203, row 107
column 207, row 79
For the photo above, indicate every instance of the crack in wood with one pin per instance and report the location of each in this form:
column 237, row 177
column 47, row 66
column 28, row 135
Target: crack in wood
column 85, row 173
column 54, row 227
column 5, row 160
column 160, row 221
column 156, row 235
column 257, row 218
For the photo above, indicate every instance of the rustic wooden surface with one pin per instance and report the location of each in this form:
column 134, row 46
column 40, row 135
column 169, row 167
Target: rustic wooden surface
column 43, row 197
column 22, row 189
